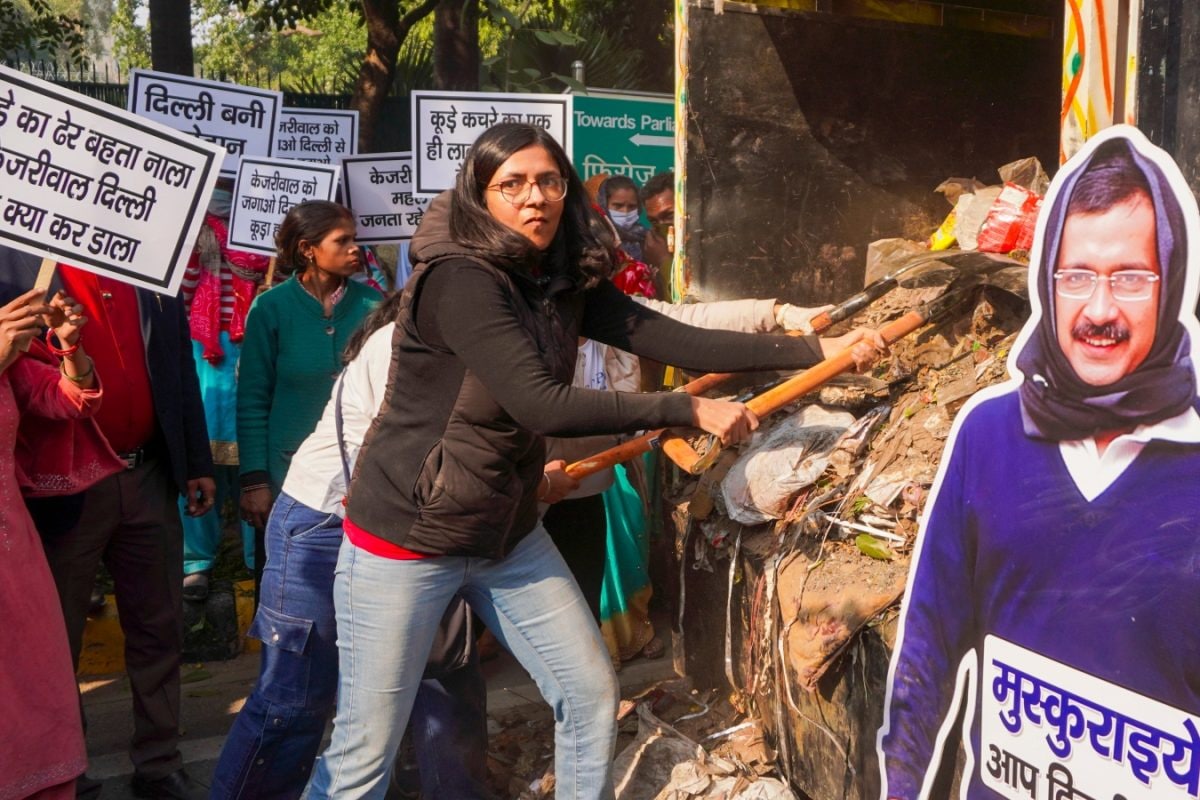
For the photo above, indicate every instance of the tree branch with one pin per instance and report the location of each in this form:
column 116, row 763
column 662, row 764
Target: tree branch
column 386, row 32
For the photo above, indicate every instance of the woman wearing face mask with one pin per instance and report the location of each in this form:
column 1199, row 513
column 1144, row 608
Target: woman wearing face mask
column 510, row 269
column 618, row 196
column 292, row 353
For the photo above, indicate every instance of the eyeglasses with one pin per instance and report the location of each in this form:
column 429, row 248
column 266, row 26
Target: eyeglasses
column 517, row 190
column 1129, row 285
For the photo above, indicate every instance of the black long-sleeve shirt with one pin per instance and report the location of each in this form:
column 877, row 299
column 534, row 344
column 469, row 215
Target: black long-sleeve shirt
column 464, row 309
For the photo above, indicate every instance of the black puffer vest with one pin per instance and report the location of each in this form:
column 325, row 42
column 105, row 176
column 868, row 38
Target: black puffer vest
column 444, row 470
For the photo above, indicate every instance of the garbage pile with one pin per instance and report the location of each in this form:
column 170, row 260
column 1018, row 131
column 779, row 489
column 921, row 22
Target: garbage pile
column 818, row 512
column 674, row 743
column 825, row 501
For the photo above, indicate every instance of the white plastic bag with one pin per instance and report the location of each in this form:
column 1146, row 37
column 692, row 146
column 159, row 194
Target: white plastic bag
column 782, row 462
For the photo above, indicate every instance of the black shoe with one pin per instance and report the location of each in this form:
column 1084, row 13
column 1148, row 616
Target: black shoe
column 97, row 602
column 195, row 586
column 177, row 786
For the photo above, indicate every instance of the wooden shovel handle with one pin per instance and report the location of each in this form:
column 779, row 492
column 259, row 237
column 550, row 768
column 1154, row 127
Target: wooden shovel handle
column 770, row 401
column 819, row 324
column 615, row 455
column 675, row 445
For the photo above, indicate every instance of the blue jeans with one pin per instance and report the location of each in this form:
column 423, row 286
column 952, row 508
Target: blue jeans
column 274, row 741
column 388, row 611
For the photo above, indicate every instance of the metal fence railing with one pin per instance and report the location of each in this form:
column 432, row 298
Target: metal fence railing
column 111, row 72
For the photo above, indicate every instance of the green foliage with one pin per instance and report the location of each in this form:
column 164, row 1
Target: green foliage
column 645, row 28
column 320, row 54
column 287, row 14
column 535, row 50
column 96, row 17
column 414, row 66
column 317, row 45
column 131, row 41
column 35, row 29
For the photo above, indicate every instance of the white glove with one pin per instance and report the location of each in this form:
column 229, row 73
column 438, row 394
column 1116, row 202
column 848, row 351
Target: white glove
column 797, row 318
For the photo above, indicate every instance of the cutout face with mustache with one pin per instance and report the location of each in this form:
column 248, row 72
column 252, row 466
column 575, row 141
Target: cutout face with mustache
column 1103, row 338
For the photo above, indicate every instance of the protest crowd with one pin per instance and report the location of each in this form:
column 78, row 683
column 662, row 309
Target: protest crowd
column 397, row 453
column 425, row 401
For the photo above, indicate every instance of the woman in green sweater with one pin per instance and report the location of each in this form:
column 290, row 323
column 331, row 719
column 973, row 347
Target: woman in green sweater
column 292, row 351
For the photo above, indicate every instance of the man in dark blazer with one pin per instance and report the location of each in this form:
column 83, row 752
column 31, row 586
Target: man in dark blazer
column 153, row 416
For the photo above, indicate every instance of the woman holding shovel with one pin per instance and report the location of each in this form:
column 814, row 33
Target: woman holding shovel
column 510, row 268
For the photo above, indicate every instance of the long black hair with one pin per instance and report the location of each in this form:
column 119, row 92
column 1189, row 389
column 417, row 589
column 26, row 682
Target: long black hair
column 310, row 221
column 587, row 242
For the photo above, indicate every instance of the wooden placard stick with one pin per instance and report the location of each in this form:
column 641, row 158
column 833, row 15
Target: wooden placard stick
column 45, row 277
column 45, row 274
column 266, row 284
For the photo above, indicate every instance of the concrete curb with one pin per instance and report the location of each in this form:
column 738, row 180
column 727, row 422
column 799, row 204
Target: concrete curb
column 103, row 651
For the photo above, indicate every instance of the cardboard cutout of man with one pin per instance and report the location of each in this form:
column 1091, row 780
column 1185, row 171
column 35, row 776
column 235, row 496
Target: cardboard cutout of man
column 1058, row 570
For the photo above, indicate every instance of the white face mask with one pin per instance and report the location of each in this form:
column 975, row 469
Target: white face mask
column 624, row 219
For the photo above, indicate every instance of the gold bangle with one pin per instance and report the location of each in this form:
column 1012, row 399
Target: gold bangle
column 82, row 376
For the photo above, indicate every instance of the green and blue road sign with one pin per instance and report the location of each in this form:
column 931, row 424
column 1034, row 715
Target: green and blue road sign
column 623, row 134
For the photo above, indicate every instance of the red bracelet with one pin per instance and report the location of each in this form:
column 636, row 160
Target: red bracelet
column 70, row 351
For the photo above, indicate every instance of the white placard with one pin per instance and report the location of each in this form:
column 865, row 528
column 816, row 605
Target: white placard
column 446, row 124
column 1044, row 722
column 379, row 190
column 91, row 185
column 241, row 119
column 266, row 190
column 320, row 135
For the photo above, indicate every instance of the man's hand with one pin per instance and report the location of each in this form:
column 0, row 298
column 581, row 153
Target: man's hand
column 556, row 483
column 655, row 251
column 866, row 345
column 256, row 506
column 201, row 494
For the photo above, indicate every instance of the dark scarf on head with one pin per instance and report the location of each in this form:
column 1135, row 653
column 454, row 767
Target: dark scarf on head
column 1055, row 403
column 633, row 236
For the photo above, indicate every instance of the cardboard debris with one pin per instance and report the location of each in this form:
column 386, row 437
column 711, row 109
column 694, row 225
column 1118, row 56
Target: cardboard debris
column 820, row 616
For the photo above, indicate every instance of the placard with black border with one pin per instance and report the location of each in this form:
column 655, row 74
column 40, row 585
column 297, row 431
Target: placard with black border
column 379, row 190
column 97, row 187
column 265, row 190
column 323, row 136
column 446, row 124
column 241, row 119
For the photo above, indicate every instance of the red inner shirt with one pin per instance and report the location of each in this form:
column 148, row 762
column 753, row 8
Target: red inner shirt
column 113, row 340
column 376, row 546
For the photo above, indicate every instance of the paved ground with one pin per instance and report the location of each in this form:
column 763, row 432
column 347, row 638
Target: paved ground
column 213, row 692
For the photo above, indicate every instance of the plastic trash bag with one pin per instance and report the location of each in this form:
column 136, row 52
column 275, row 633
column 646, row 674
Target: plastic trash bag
column 781, row 462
